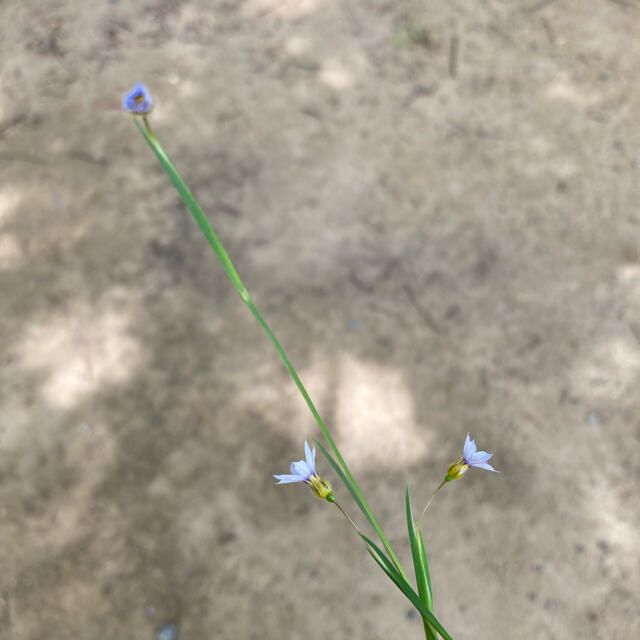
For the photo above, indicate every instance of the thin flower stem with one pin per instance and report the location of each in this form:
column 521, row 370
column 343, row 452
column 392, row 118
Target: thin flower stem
column 426, row 506
column 346, row 515
column 429, row 633
column 147, row 126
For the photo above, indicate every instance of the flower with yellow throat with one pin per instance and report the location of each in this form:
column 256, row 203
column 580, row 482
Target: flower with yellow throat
column 305, row 471
column 471, row 457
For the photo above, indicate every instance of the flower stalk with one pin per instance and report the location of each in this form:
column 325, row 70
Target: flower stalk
column 471, row 457
column 129, row 104
column 140, row 104
column 426, row 506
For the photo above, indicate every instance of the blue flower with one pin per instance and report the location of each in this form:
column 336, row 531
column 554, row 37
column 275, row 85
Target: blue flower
column 301, row 471
column 305, row 471
column 471, row 457
column 475, row 458
column 138, row 100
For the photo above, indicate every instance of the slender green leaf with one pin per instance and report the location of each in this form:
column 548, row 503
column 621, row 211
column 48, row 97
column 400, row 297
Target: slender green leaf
column 420, row 566
column 419, row 559
column 387, row 566
column 194, row 208
column 425, row 564
column 430, row 633
column 345, row 481
column 362, row 505
column 219, row 250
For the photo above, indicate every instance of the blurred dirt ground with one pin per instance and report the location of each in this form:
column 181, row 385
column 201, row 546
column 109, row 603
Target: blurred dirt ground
column 435, row 205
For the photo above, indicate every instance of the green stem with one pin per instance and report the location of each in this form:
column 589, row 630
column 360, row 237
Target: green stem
column 426, row 506
column 348, row 517
column 219, row 250
column 429, row 632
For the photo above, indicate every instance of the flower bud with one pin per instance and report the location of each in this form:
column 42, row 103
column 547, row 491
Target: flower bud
column 457, row 470
column 320, row 487
column 138, row 101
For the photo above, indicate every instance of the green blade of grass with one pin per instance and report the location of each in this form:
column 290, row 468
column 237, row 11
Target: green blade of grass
column 345, row 481
column 387, row 566
column 353, row 488
column 219, row 250
column 194, row 208
column 425, row 564
column 364, row 508
column 421, row 567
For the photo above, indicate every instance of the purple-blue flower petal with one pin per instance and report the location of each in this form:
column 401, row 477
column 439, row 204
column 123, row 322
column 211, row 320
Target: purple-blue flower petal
column 138, row 100
column 478, row 457
column 301, row 468
column 469, row 447
column 284, row 479
column 310, row 456
column 484, row 465
column 475, row 458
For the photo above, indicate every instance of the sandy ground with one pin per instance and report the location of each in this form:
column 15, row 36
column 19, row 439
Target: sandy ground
column 434, row 204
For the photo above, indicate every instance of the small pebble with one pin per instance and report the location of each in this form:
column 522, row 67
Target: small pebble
column 592, row 418
column 168, row 632
column 227, row 536
column 304, row 62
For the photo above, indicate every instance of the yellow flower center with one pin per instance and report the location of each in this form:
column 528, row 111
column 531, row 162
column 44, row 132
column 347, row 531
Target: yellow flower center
column 457, row 469
column 320, row 487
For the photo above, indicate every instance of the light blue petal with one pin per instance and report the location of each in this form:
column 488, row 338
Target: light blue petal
column 138, row 100
column 284, row 479
column 469, row 448
column 479, row 456
column 484, row 465
column 300, row 468
column 310, row 456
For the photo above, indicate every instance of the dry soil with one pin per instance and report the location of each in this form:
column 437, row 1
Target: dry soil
column 435, row 206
